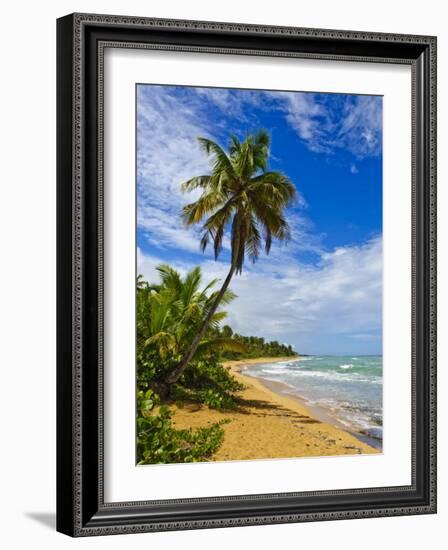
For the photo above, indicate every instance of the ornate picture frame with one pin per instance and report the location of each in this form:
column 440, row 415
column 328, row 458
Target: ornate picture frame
column 81, row 507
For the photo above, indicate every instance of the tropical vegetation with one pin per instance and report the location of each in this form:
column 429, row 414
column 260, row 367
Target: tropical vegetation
column 159, row 443
column 240, row 194
column 180, row 338
column 168, row 314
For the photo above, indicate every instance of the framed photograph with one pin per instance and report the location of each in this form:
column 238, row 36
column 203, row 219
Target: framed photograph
column 246, row 274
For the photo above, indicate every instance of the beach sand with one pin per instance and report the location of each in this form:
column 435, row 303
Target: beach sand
column 267, row 424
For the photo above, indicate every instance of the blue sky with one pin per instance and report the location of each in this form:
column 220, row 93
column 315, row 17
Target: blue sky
column 322, row 291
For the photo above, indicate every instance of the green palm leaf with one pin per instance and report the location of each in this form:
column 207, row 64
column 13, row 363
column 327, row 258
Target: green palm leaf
column 219, row 344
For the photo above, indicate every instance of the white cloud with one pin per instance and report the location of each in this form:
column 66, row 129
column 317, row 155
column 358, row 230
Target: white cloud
column 327, row 122
column 321, row 308
column 162, row 228
column 146, row 265
column 308, row 118
column 168, row 124
column 168, row 154
column 361, row 128
column 232, row 101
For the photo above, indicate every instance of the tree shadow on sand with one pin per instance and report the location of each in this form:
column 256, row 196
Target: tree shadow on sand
column 267, row 408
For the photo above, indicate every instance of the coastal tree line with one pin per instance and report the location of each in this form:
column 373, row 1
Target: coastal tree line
column 255, row 346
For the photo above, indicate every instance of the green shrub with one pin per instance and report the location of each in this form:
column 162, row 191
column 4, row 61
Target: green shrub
column 159, row 443
column 217, row 399
column 211, row 383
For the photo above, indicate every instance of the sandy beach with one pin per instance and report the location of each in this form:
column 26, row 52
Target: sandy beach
column 267, row 424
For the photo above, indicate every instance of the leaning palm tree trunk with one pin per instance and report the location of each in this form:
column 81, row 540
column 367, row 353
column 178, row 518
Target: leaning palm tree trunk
column 175, row 374
column 239, row 192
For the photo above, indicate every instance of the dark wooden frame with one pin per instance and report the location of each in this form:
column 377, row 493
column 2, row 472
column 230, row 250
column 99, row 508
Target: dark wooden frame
column 81, row 510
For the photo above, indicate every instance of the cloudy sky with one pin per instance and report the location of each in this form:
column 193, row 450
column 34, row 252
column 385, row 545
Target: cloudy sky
column 321, row 292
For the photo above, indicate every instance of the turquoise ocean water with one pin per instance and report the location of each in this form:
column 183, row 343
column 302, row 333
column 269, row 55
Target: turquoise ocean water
column 349, row 388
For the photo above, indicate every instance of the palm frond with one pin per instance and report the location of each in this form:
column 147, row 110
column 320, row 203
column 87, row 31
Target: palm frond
column 140, row 282
column 170, row 277
column 261, row 150
column 253, row 239
column 234, row 147
column 211, row 284
column 191, row 310
column 206, row 236
column 238, row 238
column 163, row 341
column 250, row 156
column 221, row 162
column 190, row 285
column 215, row 226
column 219, row 344
column 275, row 187
column 217, row 318
column 271, row 219
column 262, row 138
column 240, row 194
column 160, row 305
column 227, row 297
column 201, row 182
column 207, row 203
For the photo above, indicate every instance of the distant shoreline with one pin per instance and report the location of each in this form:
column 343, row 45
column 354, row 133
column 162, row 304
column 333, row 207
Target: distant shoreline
column 269, row 424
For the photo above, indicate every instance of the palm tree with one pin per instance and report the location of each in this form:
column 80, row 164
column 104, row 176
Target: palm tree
column 240, row 194
column 170, row 314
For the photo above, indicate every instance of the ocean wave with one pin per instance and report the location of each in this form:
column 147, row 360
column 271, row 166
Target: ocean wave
column 280, row 364
column 363, row 419
column 374, row 431
column 332, row 375
column 268, row 371
column 356, row 416
column 348, row 388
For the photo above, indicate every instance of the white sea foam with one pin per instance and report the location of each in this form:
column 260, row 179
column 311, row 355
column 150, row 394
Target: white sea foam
column 330, row 376
column 348, row 387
